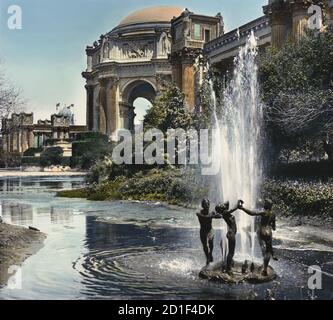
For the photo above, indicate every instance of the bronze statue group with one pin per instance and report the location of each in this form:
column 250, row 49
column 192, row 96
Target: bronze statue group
column 222, row 211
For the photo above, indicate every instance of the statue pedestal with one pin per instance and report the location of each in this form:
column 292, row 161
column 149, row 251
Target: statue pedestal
column 215, row 272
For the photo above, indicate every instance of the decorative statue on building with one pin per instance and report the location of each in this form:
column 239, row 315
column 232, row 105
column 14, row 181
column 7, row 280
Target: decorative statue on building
column 221, row 29
column 187, row 23
column 165, row 43
column 106, row 49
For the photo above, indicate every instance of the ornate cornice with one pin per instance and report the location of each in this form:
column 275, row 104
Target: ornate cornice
column 185, row 55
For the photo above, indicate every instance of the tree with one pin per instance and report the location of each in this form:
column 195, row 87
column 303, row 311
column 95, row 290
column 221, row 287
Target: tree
column 169, row 111
column 297, row 87
column 10, row 97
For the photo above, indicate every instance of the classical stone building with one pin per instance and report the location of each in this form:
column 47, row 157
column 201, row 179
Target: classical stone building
column 289, row 19
column 283, row 20
column 132, row 61
column 19, row 133
column 190, row 32
column 153, row 47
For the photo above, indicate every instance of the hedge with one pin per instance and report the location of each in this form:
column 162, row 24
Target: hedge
column 30, row 161
column 301, row 198
column 35, row 161
column 31, row 152
column 92, row 136
column 322, row 169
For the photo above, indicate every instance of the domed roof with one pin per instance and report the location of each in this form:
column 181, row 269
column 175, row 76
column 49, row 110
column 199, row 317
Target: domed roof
column 152, row 14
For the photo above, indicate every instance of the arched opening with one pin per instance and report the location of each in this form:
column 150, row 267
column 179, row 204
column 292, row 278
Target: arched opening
column 141, row 106
column 138, row 97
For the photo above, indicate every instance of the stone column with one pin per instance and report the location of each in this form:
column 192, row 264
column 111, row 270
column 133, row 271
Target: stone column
column 19, row 141
column 14, row 142
column 10, row 142
column 90, row 108
column 113, row 109
column 177, row 75
column 280, row 21
column 102, row 108
column 5, row 142
column 300, row 19
column 189, row 57
column 176, row 69
column 38, row 140
column 188, row 84
column 279, row 30
column 24, row 140
column 30, row 139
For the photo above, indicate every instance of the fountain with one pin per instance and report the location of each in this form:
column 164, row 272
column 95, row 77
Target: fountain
column 237, row 152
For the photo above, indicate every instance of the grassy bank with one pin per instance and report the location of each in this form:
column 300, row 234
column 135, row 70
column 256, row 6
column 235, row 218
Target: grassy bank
column 183, row 187
column 175, row 186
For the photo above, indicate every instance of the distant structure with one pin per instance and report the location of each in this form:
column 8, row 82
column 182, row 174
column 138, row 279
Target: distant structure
column 19, row 133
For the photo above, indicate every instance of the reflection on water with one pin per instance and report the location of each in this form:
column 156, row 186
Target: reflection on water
column 128, row 250
column 41, row 184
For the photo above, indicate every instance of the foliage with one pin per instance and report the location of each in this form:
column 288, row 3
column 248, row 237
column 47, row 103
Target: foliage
column 10, row 160
column 92, row 136
column 309, row 169
column 89, row 148
column 10, row 97
column 30, row 161
column 301, row 198
column 297, row 87
column 51, row 156
column 32, row 151
column 174, row 186
column 101, row 171
column 204, row 113
column 75, row 193
column 308, row 151
column 169, row 111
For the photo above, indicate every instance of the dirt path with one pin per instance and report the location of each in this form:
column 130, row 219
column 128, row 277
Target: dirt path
column 16, row 245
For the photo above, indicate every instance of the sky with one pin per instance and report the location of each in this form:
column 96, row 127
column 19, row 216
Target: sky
column 46, row 57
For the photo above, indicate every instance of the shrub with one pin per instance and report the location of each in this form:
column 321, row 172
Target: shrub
column 32, row 151
column 76, row 193
column 311, row 169
column 10, row 160
column 89, row 148
column 300, row 198
column 51, row 156
column 31, row 161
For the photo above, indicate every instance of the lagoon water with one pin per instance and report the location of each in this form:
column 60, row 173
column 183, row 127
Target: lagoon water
column 123, row 250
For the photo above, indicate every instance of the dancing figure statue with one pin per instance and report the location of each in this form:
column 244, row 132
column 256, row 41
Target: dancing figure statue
column 206, row 230
column 267, row 226
column 223, row 210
